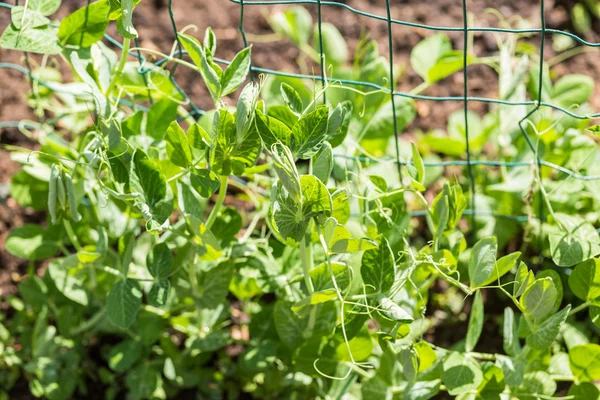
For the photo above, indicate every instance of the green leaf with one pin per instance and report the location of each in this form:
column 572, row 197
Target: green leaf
column 510, row 337
column 502, row 266
column 594, row 129
column 321, row 276
column 416, row 171
column 272, row 130
column 482, row 261
column 574, row 89
column 323, row 163
column 393, row 311
column 427, row 53
column 126, row 247
column 557, row 282
column 584, row 361
column 584, row 391
column 294, row 23
column 159, row 293
column 148, row 181
column 334, row 45
column 288, row 325
column 546, row 332
column 288, row 217
column 513, row 369
column 69, row 278
column 339, row 240
column 246, row 107
column 460, row 373
column 291, row 98
column 85, row 26
column 199, row 57
column 30, row 242
column 102, row 105
column 235, row 74
column 476, row 318
column 539, row 298
column 446, row 65
column 231, row 154
column 198, row 138
column 208, row 246
column 309, row 133
column 316, row 201
column 378, row 269
column 160, row 261
column 538, row 384
column 123, row 303
column 27, row 18
column 178, row 149
column 160, row 117
column 205, row 182
column 44, row 7
column 124, row 23
column 381, row 124
column 285, row 167
column 575, row 241
column 43, row 40
column 456, row 205
column 214, row 284
column 124, row 355
column 584, row 281
column 423, row 390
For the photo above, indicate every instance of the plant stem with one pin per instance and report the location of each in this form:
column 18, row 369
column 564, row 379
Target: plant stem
column 120, row 67
column 89, row 323
column 71, row 235
column 219, row 203
column 306, row 258
column 580, row 307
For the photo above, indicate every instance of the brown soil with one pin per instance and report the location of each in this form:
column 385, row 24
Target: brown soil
column 154, row 26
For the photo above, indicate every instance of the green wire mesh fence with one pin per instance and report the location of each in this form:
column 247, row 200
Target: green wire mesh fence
column 465, row 29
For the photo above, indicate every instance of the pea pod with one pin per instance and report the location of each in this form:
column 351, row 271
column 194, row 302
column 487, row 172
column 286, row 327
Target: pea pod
column 52, row 192
column 75, row 216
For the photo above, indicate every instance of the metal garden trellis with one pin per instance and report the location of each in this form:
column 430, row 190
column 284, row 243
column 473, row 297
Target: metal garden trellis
column 465, row 98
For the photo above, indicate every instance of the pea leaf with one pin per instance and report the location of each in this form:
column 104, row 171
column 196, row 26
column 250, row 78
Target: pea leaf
column 124, row 23
column 41, row 40
column 476, row 318
column 309, row 133
column 460, row 374
column 393, row 311
column 323, row 163
column 160, row 117
column 159, row 293
column 288, row 325
column 235, row 74
column 584, row 361
column 285, row 167
column 178, row 149
column 294, row 23
column 339, row 240
column 271, row 130
column 123, row 303
column 69, row 278
column 154, row 196
column 378, row 269
column 427, row 52
column 205, row 182
column 510, row 336
column 502, row 266
column 160, row 261
column 381, row 124
column 546, row 332
column 574, row 241
column 334, row 45
column 85, row 26
column 539, row 298
column 584, row 281
column 482, row 261
column 291, row 98
column 124, row 355
column 316, row 201
column 30, row 242
column 199, row 57
column 22, row 17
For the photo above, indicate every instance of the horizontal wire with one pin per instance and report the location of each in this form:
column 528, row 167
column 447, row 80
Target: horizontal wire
column 415, row 24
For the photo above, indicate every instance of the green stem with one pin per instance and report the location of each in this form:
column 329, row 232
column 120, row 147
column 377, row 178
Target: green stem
column 306, row 258
column 89, row 323
column 120, row 67
column 580, row 307
column 219, row 203
column 71, row 235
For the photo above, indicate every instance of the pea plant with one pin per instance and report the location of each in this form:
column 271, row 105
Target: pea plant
column 270, row 248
